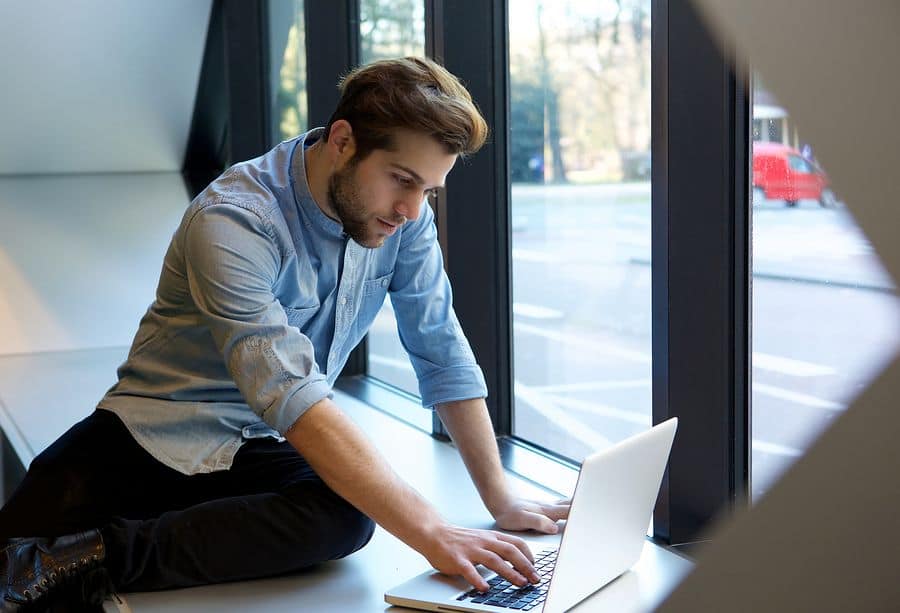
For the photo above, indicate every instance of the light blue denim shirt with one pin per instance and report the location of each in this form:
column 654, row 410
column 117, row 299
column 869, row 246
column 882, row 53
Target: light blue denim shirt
column 260, row 301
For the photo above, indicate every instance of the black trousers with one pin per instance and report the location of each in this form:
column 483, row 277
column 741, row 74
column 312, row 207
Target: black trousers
column 269, row 514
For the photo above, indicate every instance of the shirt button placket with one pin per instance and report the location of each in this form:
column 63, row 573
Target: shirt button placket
column 342, row 314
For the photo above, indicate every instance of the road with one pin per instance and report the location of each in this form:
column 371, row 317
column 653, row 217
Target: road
column 825, row 319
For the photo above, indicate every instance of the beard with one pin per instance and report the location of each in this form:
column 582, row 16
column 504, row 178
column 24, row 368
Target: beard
column 343, row 195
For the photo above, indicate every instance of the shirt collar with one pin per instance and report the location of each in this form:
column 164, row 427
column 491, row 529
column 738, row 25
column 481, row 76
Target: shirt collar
column 309, row 210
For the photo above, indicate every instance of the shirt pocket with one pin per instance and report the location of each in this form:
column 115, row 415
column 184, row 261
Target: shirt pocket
column 299, row 317
column 373, row 293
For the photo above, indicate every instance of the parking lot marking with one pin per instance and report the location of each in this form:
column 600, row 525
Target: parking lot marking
column 804, row 399
column 561, row 418
column 607, row 348
column 590, row 386
column 536, row 312
column 789, row 366
column 776, row 449
column 762, row 361
column 528, row 255
column 595, row 408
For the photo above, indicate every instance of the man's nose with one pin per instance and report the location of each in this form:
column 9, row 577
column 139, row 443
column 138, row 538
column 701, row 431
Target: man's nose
column 411, row 205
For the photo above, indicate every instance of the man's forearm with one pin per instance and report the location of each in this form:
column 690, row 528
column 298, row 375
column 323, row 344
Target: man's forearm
column 351, row 466
column 470, row 428
column 346, row 460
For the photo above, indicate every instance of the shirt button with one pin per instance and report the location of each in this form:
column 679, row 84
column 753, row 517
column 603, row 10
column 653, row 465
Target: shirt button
column 384, row 283
column 344, row 300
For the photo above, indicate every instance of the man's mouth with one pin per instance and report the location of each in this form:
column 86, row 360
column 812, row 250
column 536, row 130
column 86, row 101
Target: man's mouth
column 388, row 226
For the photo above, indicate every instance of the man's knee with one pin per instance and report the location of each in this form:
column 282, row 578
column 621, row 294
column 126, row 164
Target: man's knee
column 342, row 528
column 359, row 531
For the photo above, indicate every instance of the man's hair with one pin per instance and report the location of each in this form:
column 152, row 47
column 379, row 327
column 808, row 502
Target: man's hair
column 413, row 93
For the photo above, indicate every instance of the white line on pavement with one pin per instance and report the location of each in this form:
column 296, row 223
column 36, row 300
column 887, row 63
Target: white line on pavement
column 553, row 408
column 590, row 386
column 536, row 312
column 776, row 449
column 762, row 361
column 805, row 399
column 527, row 255
column 595, row 408
column 621, row 352
column 789, row 366
column 561, row 418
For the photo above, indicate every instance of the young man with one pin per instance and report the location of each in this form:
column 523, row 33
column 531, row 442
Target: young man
column 220, row 454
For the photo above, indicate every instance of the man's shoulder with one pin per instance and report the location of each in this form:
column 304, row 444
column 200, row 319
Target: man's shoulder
column 255, row 188
column 258, row 185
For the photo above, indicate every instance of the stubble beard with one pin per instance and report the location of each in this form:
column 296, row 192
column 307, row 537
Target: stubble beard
column 343, row 195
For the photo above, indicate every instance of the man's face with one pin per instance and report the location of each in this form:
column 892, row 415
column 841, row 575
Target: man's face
column 375, row 196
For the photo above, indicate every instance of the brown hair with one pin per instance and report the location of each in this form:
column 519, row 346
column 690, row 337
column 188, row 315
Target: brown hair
column 413, row 93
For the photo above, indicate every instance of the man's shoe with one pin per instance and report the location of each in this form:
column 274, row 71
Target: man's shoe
column 37, row 574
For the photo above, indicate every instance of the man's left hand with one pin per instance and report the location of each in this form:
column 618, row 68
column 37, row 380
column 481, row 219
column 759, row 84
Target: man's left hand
column 519, row 514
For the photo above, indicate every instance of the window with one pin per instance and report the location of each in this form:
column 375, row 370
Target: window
column 392, row 29
column 580, row 168
column 289, row 100
column 825, row 313
column 799, row 164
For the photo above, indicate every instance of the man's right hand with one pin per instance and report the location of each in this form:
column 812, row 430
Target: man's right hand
column 453, row 550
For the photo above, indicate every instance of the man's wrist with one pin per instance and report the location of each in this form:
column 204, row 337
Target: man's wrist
column 499, row 502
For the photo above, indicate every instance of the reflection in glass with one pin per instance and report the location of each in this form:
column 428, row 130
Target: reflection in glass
column 580, row 167
column 825, row 312
column 289, row 114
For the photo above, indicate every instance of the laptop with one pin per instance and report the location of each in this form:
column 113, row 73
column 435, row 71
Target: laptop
column 603, row 537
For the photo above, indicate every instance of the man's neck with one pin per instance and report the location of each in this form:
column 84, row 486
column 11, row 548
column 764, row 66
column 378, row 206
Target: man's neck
column 318, row 171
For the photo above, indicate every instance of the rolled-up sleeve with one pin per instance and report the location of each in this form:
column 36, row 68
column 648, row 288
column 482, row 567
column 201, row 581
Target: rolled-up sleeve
column 429, row 329
column 232, row 263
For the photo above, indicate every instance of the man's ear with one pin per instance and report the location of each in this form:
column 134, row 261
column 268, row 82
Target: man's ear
column 341, row 141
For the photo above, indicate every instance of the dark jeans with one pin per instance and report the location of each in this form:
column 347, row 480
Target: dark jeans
column 269, row 514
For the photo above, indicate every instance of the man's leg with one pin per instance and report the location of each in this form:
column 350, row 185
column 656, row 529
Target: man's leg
column 67, row 490
column 230, row 539
column 269, row 514
column 74, row 483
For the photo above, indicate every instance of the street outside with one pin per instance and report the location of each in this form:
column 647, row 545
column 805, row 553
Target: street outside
column 825, row 320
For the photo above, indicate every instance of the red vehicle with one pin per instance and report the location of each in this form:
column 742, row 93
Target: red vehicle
column 781, row 173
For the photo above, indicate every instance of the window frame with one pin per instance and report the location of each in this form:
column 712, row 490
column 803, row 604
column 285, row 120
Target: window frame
column 701, row 282
column 700, row 223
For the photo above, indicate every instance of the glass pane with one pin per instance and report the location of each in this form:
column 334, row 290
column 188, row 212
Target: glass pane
column 392, row 28
column 580, row 165
column 288, row 39
column 825, row 313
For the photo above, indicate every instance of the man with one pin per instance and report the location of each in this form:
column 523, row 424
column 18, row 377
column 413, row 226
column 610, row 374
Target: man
column 220, row 454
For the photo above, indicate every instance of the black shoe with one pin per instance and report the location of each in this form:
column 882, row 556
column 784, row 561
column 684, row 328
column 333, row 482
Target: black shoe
column 59, row 574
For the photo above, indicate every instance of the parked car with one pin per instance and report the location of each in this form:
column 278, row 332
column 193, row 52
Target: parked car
column 781, row 173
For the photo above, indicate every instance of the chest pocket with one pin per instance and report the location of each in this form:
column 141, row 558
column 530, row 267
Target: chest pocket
column 373, row 293
column 299, row 317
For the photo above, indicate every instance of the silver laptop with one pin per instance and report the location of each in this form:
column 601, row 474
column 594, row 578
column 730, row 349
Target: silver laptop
column 603, row 537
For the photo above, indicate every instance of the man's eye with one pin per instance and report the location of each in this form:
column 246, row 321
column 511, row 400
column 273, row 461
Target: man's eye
column 403, row 181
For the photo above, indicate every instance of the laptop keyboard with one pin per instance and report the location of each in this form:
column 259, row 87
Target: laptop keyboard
column 506, row 595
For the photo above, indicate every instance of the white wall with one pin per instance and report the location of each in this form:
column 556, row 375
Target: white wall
column 80, row 256
column 98, row 86
column 95, row 112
